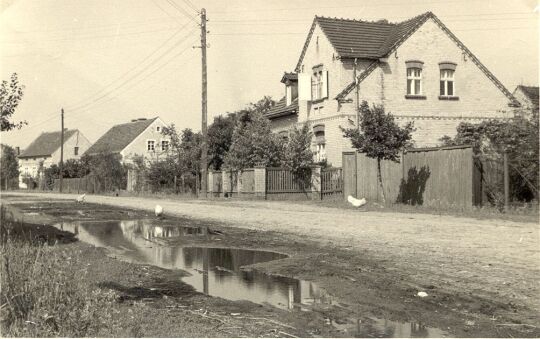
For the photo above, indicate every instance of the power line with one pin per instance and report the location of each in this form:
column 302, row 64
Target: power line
column 144, row 60
column 126, row 89
column 190, row 4
column 181, row 10
column 130, row 78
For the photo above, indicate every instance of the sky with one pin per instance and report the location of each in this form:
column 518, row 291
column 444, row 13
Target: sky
column 109, row 61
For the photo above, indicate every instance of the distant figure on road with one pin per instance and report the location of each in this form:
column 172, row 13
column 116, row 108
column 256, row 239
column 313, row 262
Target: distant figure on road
column 80, row 198
column 159, row 211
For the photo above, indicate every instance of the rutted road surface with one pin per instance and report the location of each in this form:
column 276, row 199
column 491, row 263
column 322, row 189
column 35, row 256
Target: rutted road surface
column 480, row 275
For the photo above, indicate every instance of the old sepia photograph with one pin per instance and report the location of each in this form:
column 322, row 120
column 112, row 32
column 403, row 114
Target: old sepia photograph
column 269, row 169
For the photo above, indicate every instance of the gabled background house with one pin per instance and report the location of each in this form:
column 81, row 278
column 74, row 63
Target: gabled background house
column 46, row 149
column 528, row 98
column 140, row 137
column 417, row 69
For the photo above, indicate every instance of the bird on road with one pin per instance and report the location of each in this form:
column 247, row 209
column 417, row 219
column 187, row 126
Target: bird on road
column 158, row 210
column 80, row 198
column 356, row 202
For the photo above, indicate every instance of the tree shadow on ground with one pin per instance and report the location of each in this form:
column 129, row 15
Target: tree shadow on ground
column 411, row 190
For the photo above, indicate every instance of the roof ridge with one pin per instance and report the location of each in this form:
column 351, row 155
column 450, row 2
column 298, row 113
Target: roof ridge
column 380, row 21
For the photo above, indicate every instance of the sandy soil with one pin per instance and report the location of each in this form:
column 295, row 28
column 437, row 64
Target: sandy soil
column 486, row 270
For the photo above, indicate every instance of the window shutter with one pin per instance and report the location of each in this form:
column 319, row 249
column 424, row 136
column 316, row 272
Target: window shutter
column 325, row 84
column 304, row 87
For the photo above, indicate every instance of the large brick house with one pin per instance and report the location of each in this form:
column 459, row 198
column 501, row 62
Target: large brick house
column 418, row 69
column 139, row 137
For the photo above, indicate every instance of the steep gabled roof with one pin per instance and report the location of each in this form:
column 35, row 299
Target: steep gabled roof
column 119, row 136
column 530, row 92
column 46, row 144
column 281, row 109
column 403, row 31
column 362, row 39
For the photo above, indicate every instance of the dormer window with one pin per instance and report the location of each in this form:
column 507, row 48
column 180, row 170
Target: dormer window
column 291, row 87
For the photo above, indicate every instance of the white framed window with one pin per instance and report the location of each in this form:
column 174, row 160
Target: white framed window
column 414, row 81
column 319, row 83
column 164, row 145
column 320, row 152
column 447, row 82
column 150, row 145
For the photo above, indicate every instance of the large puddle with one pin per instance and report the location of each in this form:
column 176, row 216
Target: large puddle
column 218, row 271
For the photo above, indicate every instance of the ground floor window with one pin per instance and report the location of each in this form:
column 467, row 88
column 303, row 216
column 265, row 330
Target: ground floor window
column 320, row 153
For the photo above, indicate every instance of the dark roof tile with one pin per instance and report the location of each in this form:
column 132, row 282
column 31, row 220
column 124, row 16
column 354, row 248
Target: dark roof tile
column 281, row 109
column 119, row 136
column 46, row 144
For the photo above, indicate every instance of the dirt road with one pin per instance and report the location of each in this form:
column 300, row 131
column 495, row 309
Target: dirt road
column 490, row 260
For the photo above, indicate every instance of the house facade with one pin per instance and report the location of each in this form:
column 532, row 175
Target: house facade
column 417, row 69
column 528, row 98
column 140, row 137
column 45, row 151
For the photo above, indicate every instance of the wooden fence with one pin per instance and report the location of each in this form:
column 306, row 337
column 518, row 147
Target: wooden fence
column 332, row 183
column 429, row 176
column 283, row 184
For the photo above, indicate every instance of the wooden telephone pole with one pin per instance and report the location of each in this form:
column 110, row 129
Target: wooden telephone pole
column 204, row 144
column 62, row 152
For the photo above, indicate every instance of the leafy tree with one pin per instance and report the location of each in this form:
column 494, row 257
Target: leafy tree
column 162, row 174
column 220, row 135
column 518, row 138
column 253, row 143
column 108, row 170
column 297, row 153
column 9, row 165
column 379, row 136
column 10, row 96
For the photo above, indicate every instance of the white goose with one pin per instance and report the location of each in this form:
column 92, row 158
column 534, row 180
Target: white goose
column 80, row 198
column 356, row 202
column 158, row 210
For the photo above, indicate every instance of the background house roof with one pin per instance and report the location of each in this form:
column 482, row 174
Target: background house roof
column 119, row 136
column 281, row 109
column 46, row 144
column 530, row 92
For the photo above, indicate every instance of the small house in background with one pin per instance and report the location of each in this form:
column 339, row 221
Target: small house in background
column 46, row 150
column 528, row 98
column 140, row 137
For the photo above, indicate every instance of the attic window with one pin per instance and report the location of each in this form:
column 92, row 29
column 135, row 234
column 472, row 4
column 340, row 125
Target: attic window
column 158, row 128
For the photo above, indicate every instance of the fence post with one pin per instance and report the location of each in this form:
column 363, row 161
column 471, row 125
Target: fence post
column 259, row 174
column 225, row 182
column 316, row 189
column 210, row 184
column 239, row 183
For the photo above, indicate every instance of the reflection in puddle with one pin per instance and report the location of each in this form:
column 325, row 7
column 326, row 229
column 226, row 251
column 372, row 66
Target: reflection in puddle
column 217, row 272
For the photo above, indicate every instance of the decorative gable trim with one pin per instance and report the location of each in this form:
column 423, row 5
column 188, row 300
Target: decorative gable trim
column 306, row 44
column 360, row 78
column 513, row 100
column 498, row 84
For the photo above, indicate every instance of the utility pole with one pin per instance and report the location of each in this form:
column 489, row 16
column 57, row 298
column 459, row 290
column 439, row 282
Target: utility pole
column 204, row 144
column 62, row 152
column 357, row 94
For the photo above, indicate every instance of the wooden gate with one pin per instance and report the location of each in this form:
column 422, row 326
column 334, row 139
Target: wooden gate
column 349, row 174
